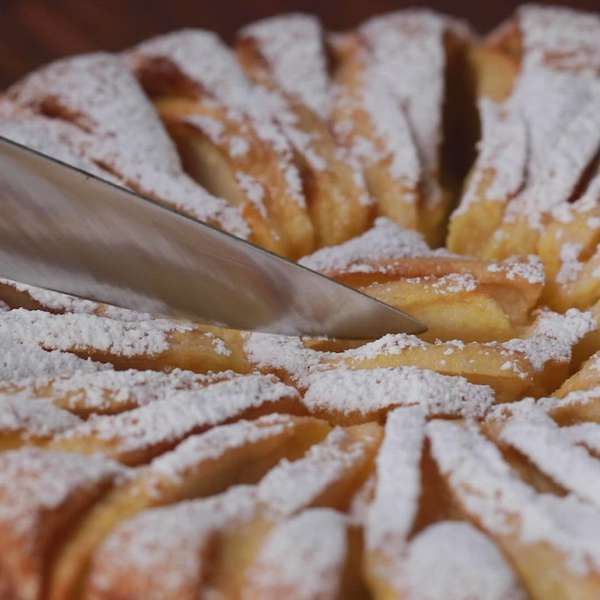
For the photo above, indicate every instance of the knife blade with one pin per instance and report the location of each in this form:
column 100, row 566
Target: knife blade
column 69, row 231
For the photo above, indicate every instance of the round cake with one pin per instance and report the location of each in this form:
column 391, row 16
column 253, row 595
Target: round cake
column 451, row 176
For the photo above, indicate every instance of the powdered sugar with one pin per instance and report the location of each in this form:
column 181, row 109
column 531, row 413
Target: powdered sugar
column 455, row 283
column 396, row 503
column 165, row 551
column 81, row 331
column 391, row 127
column 529, row 268
column 33, row 418
column 502, row 155
column 571, row 266
column 207, row 63
column 490, row 491
column 282, row 354
column 544, row 444
column 553, row 336
column 412, row 43
column 367, row 391
column 22, row 360
column 113, row 390
column 126, row 136
column 254, row 191
column 293, row 485
column 34, row 481
column 54, row 301
column 313, row 542
column 64, row 303
column 453, row 559
column 238, row 146
column 58, row 139
column 569, row 37
column 218, row 441
column 573, row 399
column 209, row 126
column 566, row 213
column 537, row 161
column 292, row 45
column 585, row 434
column 184, row 412
column 551, row 119
column 390, row 344
column 384, row 242
column 203, row 59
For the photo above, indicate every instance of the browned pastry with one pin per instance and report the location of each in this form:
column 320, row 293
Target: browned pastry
column 157, row 459
column 534, row 187
column 286, row 57
column 229, row 141
column 403, row 81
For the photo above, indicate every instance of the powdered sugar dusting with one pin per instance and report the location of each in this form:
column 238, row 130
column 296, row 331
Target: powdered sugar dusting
column 570, row 37
column 58, row 139
column 54, row 301
column 108, row 389
column 491, row 491
column 81, row 331
column 184, row 412
column 371, row 390
column 571, row 265
column 577, row 398
column 165, row 551
column 385, row 241
column 544, row 444
column 126, row 136
column 217, row 441
column 313, row 542
column 551, row 118
column 502, row 155
column 454, row 283
column 238, row 146
column 293, row 47
column 22, row 360
column 526, row 408
column 553, row 336
column 33, row 418
column 390, row 344
column 465, row 562
column 204, row 60
column 411, row 43
column 585, row 434
column 529, row 268
column 209, row 126
column 392, row 139
column 64, row 303
column 34, row 481
column 536, row 148
column 293, row 485
column 394, row 508
column 254, row 190
column 282, row 354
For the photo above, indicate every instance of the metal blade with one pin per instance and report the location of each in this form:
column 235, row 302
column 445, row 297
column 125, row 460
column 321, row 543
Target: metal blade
column 68, row 231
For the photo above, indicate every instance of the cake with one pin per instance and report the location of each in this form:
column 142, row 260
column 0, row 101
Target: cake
column 451, row 176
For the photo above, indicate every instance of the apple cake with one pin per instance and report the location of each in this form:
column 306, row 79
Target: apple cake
column 452, row 176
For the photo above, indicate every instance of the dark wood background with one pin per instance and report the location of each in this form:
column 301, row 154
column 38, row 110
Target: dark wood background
column 33, row 32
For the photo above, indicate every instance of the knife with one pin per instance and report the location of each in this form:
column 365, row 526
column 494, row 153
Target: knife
column 69, row 231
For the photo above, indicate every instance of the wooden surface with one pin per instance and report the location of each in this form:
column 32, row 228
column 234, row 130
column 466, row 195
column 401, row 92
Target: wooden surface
column 33, row 32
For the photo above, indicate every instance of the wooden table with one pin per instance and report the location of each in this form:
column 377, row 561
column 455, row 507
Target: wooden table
column 33, row 32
